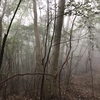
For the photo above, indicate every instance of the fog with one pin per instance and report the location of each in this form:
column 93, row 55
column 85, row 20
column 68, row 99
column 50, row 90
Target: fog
column 49, row 50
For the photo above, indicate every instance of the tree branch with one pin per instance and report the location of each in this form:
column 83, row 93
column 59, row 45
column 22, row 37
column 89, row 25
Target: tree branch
column 24, row 75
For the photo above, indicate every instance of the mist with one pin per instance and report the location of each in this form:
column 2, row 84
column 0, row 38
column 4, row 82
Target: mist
column 49, row 50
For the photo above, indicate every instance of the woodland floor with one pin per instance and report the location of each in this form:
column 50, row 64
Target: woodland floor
column 80, row 88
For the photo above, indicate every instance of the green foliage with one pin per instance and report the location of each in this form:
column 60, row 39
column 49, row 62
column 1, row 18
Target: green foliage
column 11, row 5
column 79, row 9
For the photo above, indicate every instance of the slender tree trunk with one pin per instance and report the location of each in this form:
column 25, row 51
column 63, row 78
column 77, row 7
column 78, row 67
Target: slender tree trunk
column 56, row 48
column 1, row 17
column 39, row 67
column 38, row 48
column 0, row 31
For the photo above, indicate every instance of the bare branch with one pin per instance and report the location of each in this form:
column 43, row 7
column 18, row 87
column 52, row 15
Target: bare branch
column 24, row 75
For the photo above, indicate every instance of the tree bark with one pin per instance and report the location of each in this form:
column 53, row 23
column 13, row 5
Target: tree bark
column 39, row 67
column 1, row 17
column 56, row 48
column 0, row 31
column 37, row 38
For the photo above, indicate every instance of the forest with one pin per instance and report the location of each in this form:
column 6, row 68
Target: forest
column 49, row 50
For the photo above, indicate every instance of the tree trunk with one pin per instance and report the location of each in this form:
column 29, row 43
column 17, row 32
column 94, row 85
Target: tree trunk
column 1, row 17
column 38, row 48
column 56, row 48
column 0, row 30
column 39, row 67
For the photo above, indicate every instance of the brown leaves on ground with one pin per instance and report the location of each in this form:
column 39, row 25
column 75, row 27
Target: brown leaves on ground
column 81, row 88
